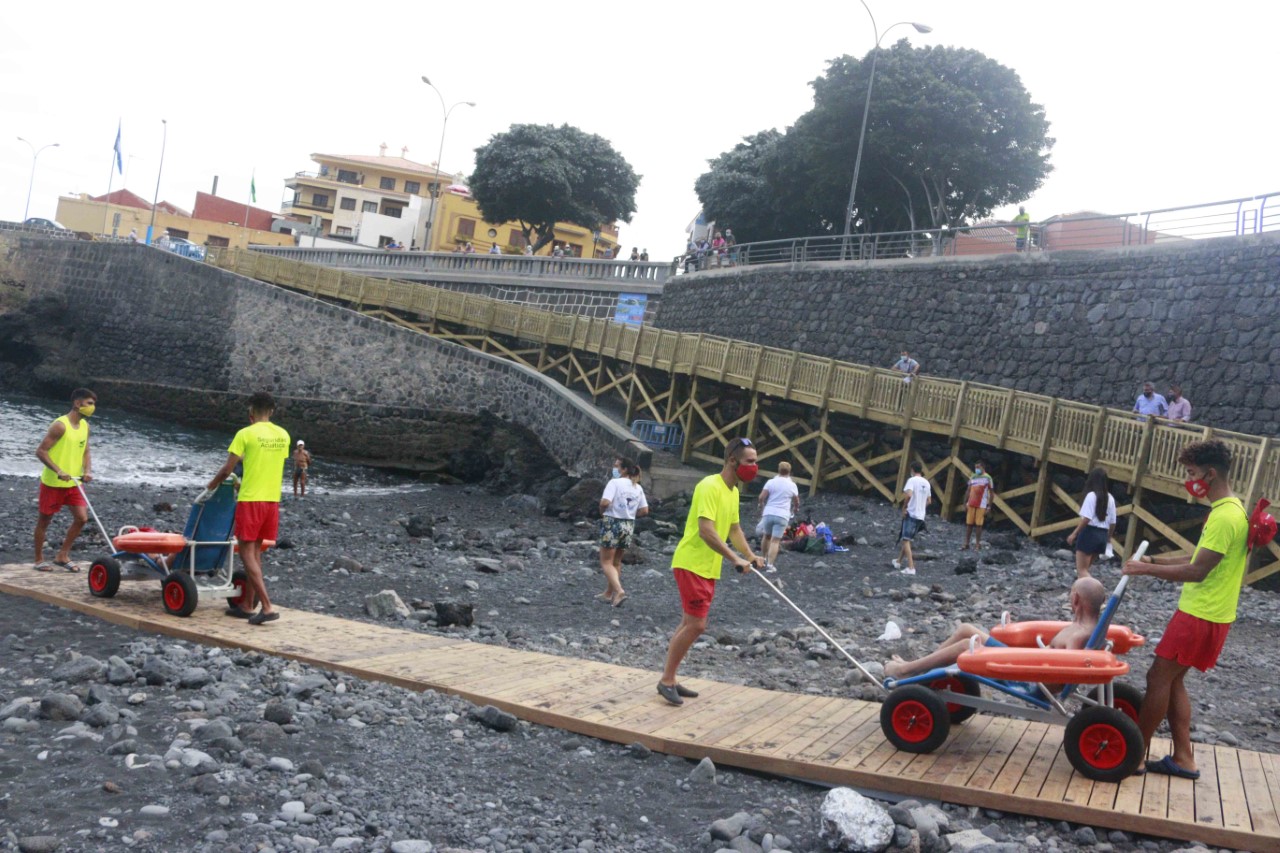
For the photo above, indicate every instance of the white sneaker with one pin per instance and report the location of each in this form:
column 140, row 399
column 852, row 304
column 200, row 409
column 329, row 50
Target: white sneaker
column 771, row 569
column 897, row 564
column 908, row 571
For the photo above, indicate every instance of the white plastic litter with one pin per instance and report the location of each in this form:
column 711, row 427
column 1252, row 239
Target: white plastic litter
column 891, row 632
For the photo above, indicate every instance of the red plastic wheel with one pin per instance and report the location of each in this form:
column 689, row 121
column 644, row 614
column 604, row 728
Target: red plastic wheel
column 104, row 577
column 174, row 596
column 956, row 684
column 912, row 721
column 180, row 594
column 1103, row 746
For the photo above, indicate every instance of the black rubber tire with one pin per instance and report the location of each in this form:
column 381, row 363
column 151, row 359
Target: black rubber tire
column 104, row 577
column 957, row 684
column 180, row 594
column 1128, row 698
column 240, row 581
column 915, row 719
column 1103, row 744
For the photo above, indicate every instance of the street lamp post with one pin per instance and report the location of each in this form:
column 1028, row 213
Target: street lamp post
column 155, row 198
column 444, row 125
column 866, row 106
column 35, row 154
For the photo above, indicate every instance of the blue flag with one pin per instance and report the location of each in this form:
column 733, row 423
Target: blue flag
column 119, row 159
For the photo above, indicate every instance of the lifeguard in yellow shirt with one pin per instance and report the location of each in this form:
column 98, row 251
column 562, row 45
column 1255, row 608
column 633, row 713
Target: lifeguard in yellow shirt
column 65, row 456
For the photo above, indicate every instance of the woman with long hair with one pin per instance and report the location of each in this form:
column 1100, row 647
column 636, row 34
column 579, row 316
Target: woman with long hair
column 622, row 502
column 1097, row 522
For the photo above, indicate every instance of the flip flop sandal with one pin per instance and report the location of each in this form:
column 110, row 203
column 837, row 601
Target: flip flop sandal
column 68, row 565
column 44, row 566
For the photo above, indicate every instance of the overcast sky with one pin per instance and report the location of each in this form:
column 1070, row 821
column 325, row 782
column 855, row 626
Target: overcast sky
column 1153, row 104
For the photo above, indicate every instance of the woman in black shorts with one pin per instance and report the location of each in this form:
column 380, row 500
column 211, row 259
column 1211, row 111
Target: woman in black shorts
column 1097, row 522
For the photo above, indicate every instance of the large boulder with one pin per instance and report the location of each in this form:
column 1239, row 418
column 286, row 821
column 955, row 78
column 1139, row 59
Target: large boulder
column 851, row 823
column 582, row 500
column 386, row 605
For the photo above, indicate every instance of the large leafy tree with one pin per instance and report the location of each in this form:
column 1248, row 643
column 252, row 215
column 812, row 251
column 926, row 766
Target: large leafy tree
column 538, row 175
column 951, row 135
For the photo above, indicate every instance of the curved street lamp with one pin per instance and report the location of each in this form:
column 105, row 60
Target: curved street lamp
column 444, row 125
column 35, row 154
column 866, row 107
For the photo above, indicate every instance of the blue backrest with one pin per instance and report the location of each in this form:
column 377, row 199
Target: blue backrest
column 210, row 521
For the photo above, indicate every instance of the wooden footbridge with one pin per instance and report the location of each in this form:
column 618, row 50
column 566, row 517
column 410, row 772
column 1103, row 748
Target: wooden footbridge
column 993, row 762
column 836, row 422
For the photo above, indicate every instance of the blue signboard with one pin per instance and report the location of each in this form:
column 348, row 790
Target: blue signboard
column 630, row 309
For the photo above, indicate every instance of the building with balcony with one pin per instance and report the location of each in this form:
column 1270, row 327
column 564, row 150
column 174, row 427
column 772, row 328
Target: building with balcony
column 373, row 200
column 215, row 222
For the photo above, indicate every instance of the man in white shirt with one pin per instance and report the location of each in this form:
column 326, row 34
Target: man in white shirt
column 918, row 495
column 779, row 500
column 1179, row 406
column 908, row 365
column 1149, row 402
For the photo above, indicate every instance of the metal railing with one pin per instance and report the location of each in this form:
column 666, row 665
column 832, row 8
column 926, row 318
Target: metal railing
column 521, row 266
column 1233, row 217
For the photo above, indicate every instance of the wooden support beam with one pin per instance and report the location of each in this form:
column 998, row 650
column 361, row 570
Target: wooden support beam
column 958, row 415
column 819, row 455
column 1164, row 530
column 1135, row 483
column 688, row 420
column 1043, row 479
column 871, row 479
column 948, row 495
column 1006, row 417
column 1095, row 444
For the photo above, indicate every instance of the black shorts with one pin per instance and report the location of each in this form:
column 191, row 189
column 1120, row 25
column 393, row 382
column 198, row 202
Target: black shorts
column 1092, row 540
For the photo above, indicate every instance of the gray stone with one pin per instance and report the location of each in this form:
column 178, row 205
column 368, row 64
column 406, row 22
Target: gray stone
column 119, row 672
column 347, row 564
column 101, row 715
column 386, row 605
column 743, row 844
column 495, row 718
column 154, row 811
column 411, row 846
column 60, row 706
column 902, row 816
column 212, row 731
column 194, row 677
column 454, row 613
column 487, row 565
column 307, row 686
column 83, row 668
column 851, row 823
column 39, row 844
column 704, row 772
column 419, row 527
column 728, row 828
column 1085, row 836
column 277, row 712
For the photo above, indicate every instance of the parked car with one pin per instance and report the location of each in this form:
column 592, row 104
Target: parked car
column 183, row 246
column 38, row 222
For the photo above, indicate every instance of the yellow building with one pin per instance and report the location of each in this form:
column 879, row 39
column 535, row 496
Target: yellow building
column 121, row 212
column 374, row 200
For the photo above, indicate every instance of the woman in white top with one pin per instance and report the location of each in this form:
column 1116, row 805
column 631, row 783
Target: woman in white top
column 623, row 501
column 1097, row 522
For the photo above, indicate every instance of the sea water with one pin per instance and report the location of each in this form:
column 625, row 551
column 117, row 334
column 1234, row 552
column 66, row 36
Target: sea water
column 150, row 451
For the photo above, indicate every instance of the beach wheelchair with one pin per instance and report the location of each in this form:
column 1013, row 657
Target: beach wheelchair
column 198, row 562
column 1071, row 687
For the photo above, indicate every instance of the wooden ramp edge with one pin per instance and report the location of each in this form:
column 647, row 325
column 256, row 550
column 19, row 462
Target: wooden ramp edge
column 992, row 762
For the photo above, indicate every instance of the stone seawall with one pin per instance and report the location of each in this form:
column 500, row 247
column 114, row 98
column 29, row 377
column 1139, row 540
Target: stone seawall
column 1085, row 325
column 174, row 335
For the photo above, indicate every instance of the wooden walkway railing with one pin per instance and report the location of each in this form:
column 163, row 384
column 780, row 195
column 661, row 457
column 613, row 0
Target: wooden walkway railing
column 991, row 762
column 1139, row 453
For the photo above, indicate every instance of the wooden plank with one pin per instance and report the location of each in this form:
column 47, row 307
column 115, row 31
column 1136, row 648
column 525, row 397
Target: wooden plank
column 1235, row 806
column 1208, row 799
column 1000, row 753
column 956, row 751
column 1020, row 760
column 1271, row 771
column 977, row 753
column 833, row 717
column 1057, row 779
column 1155, row 788
column 1262, row 809
column 1129, row 796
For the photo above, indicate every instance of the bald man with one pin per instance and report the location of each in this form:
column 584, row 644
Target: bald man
column 1087, row 598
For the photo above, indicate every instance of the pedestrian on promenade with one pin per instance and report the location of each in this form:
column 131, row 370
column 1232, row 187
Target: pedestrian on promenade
column 918, row 495
column 712, row 524
column 262, row 447
column 644, row 256
column 1211, row 582
column 635, row 253
column 301, row 462
column 1097, row 522
column 1179, row 406
column 64, row 452
column 1149, row 402
column 731, row 247
column 908, row 365
column 1023, row 221
column 779, row 501
column 621, row 504
column 718, row 249
column 977, row 499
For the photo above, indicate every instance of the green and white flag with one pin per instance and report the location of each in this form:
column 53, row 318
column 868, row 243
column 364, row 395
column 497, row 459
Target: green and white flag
column 253, row 188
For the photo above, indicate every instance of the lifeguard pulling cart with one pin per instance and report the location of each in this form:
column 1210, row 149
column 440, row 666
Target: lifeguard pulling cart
column 1102, row 739
column 199, row 562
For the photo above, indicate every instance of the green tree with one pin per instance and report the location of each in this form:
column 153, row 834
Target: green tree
column 539, row 174
column 951, row 135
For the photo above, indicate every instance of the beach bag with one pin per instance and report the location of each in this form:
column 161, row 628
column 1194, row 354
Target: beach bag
column 1262, row 525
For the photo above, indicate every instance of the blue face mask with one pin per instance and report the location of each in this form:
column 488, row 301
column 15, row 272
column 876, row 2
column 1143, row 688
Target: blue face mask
column 616, row 473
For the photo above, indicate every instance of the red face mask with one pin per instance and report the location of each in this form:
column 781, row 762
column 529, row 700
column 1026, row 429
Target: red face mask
column 1197, row 488
column 747, row 473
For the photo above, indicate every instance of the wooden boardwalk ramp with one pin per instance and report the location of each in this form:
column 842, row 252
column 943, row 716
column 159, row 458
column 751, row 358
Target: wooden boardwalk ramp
column 993, row 762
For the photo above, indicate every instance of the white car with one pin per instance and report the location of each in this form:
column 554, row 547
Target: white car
column 38, row 222
column 182, row 246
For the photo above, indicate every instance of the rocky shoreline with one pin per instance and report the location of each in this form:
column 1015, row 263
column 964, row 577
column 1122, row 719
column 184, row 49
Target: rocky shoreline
column 111, row 739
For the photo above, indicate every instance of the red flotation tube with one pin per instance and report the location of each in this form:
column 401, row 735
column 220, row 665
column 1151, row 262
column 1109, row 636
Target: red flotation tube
column 1024, row 634
column 150, row 542
column 1046, row 666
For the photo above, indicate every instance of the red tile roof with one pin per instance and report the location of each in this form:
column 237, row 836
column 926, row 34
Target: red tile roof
column 212, row 208
column 124, row 198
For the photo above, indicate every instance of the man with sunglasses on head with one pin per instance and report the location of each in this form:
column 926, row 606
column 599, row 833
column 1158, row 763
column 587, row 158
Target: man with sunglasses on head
column 712, row 524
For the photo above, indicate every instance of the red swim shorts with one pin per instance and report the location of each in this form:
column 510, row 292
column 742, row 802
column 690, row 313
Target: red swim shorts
column 1191, row 641
column 696, row 592
column 257, row 520
column 53, row 499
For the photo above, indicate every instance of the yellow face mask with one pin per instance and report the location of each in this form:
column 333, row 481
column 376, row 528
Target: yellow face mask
column 87, row 409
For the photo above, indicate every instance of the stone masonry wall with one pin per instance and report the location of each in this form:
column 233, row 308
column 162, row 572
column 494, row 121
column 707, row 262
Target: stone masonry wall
column 165, row 326
column 1084, row 325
